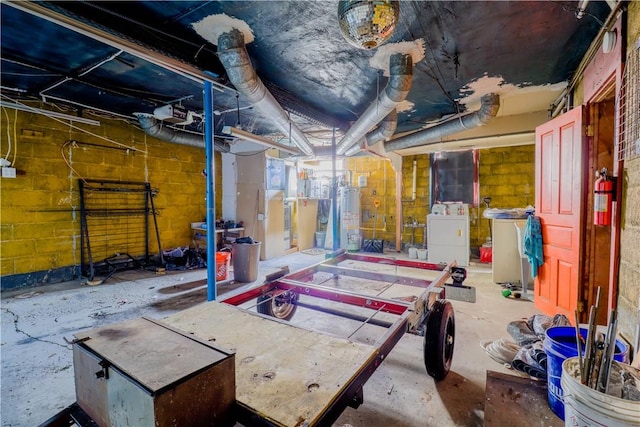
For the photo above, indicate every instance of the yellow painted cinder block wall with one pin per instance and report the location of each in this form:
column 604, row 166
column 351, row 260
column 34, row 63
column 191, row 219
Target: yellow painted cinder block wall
column 506, row 175
column 380, row 187
column 40, row 218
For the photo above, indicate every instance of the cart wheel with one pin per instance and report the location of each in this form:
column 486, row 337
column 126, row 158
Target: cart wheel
column 439, row 339
column 281, row 307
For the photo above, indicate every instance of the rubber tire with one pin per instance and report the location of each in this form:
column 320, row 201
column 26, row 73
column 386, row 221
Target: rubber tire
column 439, row 339
column 281, row 307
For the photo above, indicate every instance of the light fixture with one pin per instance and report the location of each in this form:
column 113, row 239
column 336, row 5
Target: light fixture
column 367, row 24
column 48, row 113
column 257, row 139
column 609, row 41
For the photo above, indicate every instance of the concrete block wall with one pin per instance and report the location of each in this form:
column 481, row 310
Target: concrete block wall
column 507, row 175
column 629, row 274
column 40, row 217
column 415, row 208
column 381, row 187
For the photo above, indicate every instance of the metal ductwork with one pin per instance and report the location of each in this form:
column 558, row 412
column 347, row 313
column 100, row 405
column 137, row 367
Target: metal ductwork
column 432, row 135
column 397, row 89
column 152, row 127
column 235, row 59
column 384, row 131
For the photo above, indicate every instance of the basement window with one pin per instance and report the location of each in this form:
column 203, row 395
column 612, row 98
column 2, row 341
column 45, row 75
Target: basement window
column 454, row 177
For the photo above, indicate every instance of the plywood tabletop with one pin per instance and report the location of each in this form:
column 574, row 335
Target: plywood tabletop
column 284, row 373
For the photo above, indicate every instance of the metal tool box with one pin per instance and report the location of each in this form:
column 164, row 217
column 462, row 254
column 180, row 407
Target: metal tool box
column 144, row 373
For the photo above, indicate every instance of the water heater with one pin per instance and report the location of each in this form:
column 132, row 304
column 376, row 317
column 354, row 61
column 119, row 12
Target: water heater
column 349, row 206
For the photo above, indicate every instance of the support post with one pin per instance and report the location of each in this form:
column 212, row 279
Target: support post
column 210, row 193
column 334, row 193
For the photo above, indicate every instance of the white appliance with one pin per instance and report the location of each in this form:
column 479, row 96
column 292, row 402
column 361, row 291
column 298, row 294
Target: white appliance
column 349, row 218
column 448, row 239
column 287, row 225
column 506, row 263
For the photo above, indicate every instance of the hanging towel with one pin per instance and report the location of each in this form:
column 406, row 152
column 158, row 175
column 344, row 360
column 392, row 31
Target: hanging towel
column 532, row 243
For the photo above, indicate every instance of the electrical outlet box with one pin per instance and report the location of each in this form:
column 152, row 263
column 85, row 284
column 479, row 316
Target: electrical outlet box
column 260, row 217
column 8, row 172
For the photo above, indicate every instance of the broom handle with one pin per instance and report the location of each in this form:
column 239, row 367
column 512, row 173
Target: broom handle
column 375, row 225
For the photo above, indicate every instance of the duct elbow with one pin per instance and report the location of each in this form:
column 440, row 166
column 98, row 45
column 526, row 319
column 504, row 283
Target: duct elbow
column 236, row 61
column 490, row 105
column 385, row 130
column 151, row 126
column 489, row 108
column 401, row 77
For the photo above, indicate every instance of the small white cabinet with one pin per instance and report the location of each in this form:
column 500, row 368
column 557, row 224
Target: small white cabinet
column 448, row 238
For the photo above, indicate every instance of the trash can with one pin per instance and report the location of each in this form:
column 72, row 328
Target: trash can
column 320, row 236
column 245, row 257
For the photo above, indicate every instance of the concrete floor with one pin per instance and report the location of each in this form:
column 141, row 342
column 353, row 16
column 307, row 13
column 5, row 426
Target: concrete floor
column 37, row 324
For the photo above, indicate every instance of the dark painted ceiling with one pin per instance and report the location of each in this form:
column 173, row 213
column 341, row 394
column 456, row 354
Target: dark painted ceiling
column 298, row 52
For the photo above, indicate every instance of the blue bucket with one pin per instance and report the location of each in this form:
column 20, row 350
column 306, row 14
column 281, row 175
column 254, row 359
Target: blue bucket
column 560, row 344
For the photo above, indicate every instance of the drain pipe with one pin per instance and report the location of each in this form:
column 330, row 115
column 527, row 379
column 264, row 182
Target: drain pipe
column 488, row 110
column 397, row 89
column 235, row 59
column 383, row 132
column 152, row 127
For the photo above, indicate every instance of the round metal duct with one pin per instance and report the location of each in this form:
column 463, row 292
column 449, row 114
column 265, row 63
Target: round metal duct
column 367, row 24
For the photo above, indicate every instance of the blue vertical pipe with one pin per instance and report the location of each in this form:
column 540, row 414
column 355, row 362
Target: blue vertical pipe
column 334, row 193
column 210, row 194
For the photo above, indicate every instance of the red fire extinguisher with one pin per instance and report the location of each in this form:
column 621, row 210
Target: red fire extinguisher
column 602, row 198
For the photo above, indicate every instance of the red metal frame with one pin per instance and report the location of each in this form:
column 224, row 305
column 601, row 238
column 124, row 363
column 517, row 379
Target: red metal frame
column 300, row 283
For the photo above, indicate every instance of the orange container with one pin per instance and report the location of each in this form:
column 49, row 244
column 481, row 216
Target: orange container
column 223, row 261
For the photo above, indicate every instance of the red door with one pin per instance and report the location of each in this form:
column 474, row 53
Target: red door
column 559, row 189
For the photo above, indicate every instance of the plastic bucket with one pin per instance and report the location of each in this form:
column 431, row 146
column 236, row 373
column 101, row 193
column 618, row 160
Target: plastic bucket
column 413, row 253
column 560, row 344
column 353, row 240
column 584, row 406
column 320, row 236
column 246, row 257
column 223, row 260
column 422, row 254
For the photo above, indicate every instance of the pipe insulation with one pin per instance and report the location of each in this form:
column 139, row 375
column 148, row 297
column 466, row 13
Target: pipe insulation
column 396, row 90
column 236, row 61
column 488, row 110
column 414, row 181
column 153, row 127
column 384, row 131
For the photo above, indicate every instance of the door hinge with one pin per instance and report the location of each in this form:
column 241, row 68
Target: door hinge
column 589, row 130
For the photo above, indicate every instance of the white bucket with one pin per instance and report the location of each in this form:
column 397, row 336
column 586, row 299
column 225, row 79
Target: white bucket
column 422, row 254
column 413, row 253
column 584, row 406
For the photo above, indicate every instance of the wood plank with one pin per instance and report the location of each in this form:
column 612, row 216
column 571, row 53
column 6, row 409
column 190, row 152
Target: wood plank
column 284, row 373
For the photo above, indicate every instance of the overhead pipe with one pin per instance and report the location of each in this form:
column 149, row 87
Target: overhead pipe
column 152, row 127
column 396, row 90
column 488, row 110
column 384, row 131
column 236, row 61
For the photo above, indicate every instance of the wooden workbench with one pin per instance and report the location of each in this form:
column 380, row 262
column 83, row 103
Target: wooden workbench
column 284, row 373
